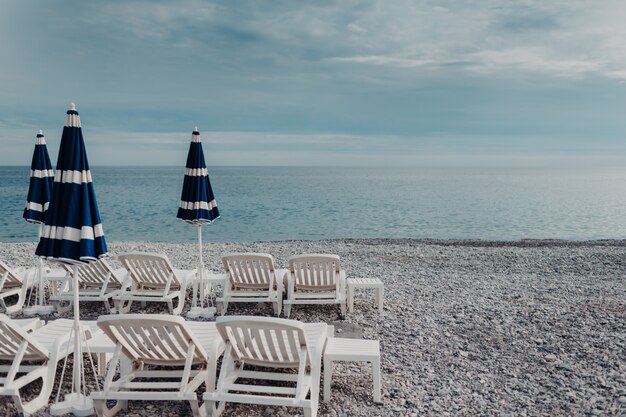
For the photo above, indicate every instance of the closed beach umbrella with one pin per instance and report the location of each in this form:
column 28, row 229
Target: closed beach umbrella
column 41, row 178
column 39, row 191
column 73, row 234
column 197, row 203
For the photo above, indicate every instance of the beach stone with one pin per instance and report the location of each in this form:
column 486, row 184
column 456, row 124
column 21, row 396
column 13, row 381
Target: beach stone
column 542, row 321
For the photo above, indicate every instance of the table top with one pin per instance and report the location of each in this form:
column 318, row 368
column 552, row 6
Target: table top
column 364, row 282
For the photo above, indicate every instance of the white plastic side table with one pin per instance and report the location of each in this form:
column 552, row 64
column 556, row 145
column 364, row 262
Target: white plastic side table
column 352, row 350
column 369, row 283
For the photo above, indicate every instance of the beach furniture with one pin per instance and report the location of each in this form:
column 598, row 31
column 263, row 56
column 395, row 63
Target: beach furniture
column 315, row 279
column 167, row 342
column 153, row 279
column 97, row 281
column 28, row 356
column 366, row 283
column 276, row 345
column 29, row 324
column 352, row 350
column 11, row 284
column 252, row 278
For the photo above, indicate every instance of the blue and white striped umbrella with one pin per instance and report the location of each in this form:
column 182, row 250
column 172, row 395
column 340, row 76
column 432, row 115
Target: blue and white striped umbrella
column 41, row 178
column 197, row 206
column 197, row 202
column 72, row 231
column 73, row 234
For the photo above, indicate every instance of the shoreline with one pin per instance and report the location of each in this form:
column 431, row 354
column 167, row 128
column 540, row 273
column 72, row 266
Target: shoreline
column 525, row 242
column 535, row 328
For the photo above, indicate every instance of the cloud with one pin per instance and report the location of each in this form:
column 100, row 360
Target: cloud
column 559, row 39
column 350, row 80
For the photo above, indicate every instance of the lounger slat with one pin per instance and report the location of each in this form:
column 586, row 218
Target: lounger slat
column 282, row 345
column 178, row 342
column 262, row 344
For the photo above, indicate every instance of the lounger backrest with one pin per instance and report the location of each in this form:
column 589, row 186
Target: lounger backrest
column 250, row 270
column 149, row 270
column 264, row 341
column 8, row 277
column 153, row 339
column 94, row 274
column 12, row 337
column 315, row 271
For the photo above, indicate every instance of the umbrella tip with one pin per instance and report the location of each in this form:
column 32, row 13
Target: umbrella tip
column 72, row 106
column 40, row 132
column 195, row 128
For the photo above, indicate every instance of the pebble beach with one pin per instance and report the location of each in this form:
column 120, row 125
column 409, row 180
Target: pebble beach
column 523, row 328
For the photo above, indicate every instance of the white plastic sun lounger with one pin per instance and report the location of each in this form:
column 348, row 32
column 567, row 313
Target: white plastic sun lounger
column 252, row 278
column 189, row 349
column 97, row 282
column 11, row 284
column 29, row 324
column 26, row 357
column 153, row 280
column 315, row 279
column 277, row 345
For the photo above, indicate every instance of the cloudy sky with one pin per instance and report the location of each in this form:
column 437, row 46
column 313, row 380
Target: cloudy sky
column 417, row 83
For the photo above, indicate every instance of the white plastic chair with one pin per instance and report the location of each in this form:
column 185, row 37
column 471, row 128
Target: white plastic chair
column 28, row 355
column 153, row 280
column 167, row 342
column 252, row 278
column 97, row 282
column 277, row 345
column 315, row 279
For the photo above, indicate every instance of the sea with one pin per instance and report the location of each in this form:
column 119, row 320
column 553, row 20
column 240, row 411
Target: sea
column 285, row 203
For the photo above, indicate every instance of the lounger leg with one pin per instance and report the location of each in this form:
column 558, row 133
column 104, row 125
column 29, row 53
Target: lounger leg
column 312, row 410
column 102, row 411
column 196, row 410
column 376, row 378
column 19, row 304
column 277, row 307
column 224, row 307
column 343, row 309
column 351, row 298
column 41, row 400
column 33, row 405
column 212, row 371
column 328, row 374
column 108, row 308
column 213, row 410
column 122, row 306
column 287, row 310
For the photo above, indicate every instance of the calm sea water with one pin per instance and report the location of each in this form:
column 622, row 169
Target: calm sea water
column 275, row 203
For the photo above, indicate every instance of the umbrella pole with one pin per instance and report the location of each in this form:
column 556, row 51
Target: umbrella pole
column 197, row 309
column 40, row 271
column 39, row 306
column 200, row 266
column 76, row 402
column 78, row 355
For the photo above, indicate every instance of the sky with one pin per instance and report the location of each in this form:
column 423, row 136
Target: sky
column 368, row 83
